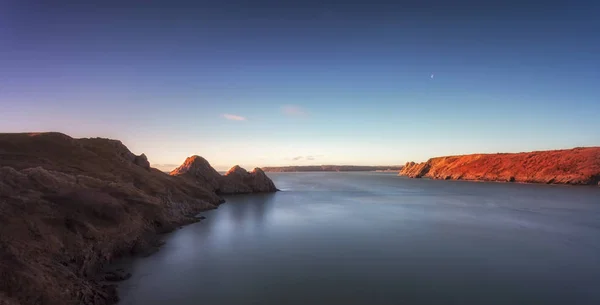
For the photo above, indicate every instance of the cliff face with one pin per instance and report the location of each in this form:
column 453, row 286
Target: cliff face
column 572, row 166
column 68, row 206
column 236, row 181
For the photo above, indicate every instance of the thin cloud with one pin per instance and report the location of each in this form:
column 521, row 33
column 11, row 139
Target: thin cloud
column 308, row 158
column 234, row 117
column 293, row 110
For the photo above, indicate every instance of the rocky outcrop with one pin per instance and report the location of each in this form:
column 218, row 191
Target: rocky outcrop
column 415, row 170
column 142, row 161
column 69, row 206
column 233, row 182
column 236, row 181
column 197, row 169
column 572, row 166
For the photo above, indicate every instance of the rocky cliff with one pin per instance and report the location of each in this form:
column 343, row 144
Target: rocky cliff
column 571, row 166
column 197, row 170
column 236, row 181
column 69, row 206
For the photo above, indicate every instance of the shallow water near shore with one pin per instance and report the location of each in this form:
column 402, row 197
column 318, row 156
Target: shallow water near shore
column 375, row 238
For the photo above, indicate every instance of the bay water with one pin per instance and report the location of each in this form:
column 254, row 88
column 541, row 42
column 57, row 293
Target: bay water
column 376, row 238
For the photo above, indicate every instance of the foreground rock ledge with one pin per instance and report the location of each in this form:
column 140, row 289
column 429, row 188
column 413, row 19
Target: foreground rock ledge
column 571, row 166
column 70, row 206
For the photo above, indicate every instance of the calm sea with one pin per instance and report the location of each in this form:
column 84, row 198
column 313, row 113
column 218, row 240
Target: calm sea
column 375, row 238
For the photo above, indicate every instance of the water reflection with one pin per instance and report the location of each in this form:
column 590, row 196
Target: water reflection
column 249, row 210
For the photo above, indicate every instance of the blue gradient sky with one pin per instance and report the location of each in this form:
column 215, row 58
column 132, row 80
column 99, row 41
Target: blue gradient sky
column 341, row 82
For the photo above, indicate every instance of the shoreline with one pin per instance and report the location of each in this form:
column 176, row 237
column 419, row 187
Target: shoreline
column 591, row 186
column 152, row 244
column 72, row 207
column 121, row 266
column 576, row 166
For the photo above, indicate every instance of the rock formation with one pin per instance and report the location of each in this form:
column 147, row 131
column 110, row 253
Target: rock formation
column 197, row 169
column 142, row 161
column 572, row 166
column 236, row 181
column 69, row 206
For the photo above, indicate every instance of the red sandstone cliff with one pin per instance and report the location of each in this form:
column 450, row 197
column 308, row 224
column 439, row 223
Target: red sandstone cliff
column 571, row 166
column 69, row 206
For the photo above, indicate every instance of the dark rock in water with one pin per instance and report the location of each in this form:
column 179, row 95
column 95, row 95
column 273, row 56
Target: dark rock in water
column 116, row 276
column 201, row 217
column 109, row 293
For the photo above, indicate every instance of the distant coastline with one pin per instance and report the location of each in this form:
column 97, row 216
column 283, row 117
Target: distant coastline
column 580, row 166
column 332, row 168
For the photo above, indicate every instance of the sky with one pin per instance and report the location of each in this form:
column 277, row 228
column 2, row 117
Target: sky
column 261, row 83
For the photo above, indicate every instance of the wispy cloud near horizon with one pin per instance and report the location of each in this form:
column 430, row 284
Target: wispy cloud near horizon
column 233, row 117
column 293, row 110
column 307, row 158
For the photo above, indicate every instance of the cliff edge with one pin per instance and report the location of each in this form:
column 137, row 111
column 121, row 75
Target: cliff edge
column 570, row 166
